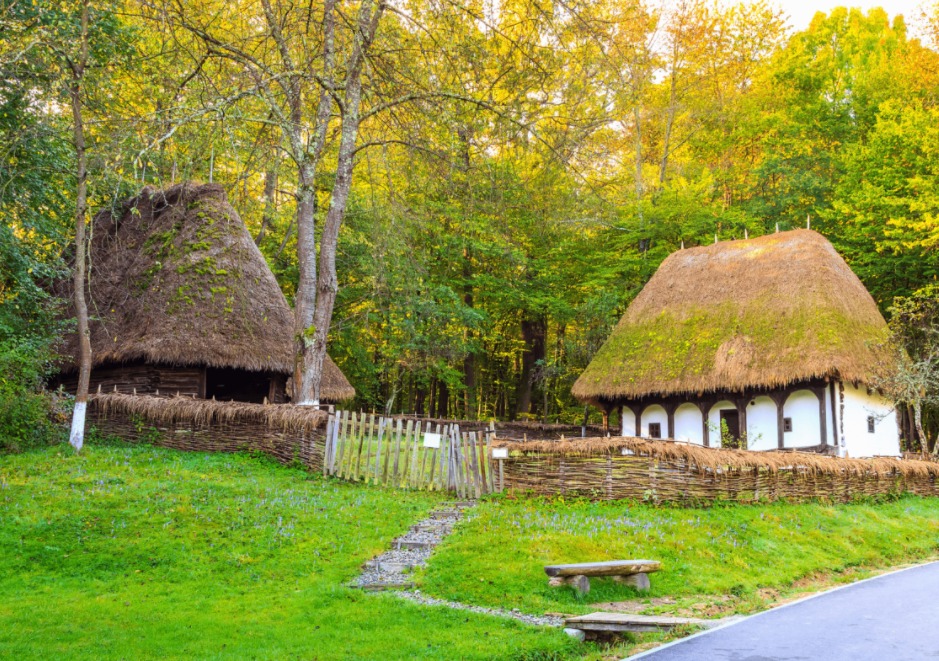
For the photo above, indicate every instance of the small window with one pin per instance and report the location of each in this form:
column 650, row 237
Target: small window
column 655, row 430
column 870, row 424
column 787, row 424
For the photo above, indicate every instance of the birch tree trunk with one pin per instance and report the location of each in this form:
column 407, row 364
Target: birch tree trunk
column 77, row 434
column 327, row 284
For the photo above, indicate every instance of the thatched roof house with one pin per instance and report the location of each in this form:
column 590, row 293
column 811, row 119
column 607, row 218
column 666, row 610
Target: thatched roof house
column 182, row 300
column 728, row 335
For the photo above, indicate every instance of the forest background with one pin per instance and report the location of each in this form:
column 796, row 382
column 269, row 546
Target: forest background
column 521, row 167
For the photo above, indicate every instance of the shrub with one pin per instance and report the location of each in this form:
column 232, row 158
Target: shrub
column 28, row 413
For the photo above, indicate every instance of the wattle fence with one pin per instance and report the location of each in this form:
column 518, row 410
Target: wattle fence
column 444, row 456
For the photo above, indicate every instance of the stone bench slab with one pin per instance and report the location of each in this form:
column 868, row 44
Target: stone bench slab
column 627, row 622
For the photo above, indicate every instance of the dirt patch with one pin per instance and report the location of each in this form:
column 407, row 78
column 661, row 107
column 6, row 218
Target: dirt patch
column 634, row 606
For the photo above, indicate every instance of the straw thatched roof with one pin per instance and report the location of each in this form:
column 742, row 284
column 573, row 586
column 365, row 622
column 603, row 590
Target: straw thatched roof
column 177, row 280
column 757, row 313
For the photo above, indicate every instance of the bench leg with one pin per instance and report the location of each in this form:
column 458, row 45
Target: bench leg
column 639, row 581
column 581, row 584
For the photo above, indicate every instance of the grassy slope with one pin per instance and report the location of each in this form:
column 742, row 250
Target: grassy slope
column 144, row 553
column 497, row 556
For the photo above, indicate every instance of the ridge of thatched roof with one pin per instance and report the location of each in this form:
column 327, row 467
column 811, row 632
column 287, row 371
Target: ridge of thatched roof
column 176, row 279
column 756, row 313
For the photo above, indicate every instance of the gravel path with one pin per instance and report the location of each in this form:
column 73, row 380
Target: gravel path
column 391, row 570
column 515, row 614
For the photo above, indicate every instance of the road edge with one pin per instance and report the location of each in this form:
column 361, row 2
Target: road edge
column 679, row 641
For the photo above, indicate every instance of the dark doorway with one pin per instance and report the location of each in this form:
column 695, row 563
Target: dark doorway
column 227, row 384
column 730, row 423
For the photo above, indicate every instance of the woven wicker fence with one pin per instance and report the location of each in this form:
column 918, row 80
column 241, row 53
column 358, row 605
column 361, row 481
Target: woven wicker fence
column 287, row 433
column 610, row 469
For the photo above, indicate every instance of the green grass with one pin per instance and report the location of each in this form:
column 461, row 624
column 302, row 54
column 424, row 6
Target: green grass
column 497, row 555
column 142, row 552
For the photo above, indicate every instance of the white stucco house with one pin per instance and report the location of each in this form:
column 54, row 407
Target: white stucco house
column 769, row 340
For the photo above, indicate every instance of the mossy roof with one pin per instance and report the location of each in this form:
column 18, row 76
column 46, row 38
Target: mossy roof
column 736, row 315
column 176, row 279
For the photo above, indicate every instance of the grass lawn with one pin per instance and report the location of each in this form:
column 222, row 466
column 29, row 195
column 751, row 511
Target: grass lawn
column 141, row 552
column 716, row 561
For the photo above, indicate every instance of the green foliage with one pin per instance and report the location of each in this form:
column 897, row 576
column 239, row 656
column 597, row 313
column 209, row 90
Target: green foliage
column 27, row 412
column 141, row 552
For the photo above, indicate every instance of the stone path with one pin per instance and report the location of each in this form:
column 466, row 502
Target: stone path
column 391, row 570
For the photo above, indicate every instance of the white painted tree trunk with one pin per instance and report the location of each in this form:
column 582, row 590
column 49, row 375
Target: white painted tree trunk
column 77, row 435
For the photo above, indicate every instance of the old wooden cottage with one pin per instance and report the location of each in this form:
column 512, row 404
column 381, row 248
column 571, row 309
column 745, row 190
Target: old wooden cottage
column 182, row 301
column 769, row 340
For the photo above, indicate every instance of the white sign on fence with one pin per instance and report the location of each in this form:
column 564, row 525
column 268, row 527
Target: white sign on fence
column 432, row 440
column 500, row 453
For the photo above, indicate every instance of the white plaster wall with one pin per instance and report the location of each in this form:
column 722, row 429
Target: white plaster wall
column 858, row 405
column 629, row 421
column 714, row 421
column 688, row 424
column 761, row 424
column 802, row 407
column 654, row 413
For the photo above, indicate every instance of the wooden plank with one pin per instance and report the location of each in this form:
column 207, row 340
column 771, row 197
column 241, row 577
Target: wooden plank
column 452, row 464
column 397, row 443
column 424, row 453
column 468, row 465
column 431, row 485
column 492, row 483
column 351, row 444
column 330, row 423
column 337, row 434
column 608, row 568
column 474, row 460
column 369, row 436
column 381, row 431
column 343, row 441
column 442, row 459
column 388, row 450
column 415, row 453
column 405, row 454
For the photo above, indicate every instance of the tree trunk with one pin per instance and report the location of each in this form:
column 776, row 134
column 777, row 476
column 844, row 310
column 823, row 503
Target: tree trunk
column 77, row 433
column 918, row 421
column 669, row 123
column 469, row 362
column 305, row 303
column 308, row 156
column 638, row 118
column 327, row 284
column 419, row 397
column 443, row 400
column 533, row 334
column 270, row 203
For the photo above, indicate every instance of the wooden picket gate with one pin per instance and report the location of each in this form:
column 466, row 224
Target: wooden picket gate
column 408, row 454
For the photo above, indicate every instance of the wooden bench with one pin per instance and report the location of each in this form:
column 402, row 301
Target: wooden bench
column 631, row 572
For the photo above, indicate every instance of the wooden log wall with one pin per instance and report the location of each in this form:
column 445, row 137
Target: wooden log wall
column 615, row 477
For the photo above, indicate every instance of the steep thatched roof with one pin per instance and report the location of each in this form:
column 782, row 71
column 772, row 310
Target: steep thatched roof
column 762, row 312
column 176, row 279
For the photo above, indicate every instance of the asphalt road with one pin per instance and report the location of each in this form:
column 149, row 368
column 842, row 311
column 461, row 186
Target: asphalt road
column 892, row 617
